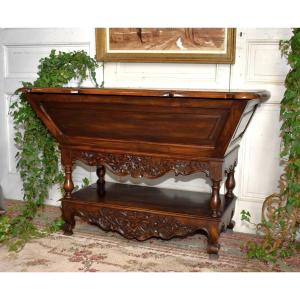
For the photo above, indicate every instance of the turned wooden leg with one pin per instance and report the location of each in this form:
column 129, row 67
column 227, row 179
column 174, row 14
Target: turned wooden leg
column 212, row 240
column 100, row 171
column 68, row 184
column 215, row 200
column 69, row 220
column 230, row 185
column 67, row 212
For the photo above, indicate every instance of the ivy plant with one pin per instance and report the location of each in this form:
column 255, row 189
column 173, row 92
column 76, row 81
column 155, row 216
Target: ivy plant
column 38, row 156
column 281, row 212
column 290, row 115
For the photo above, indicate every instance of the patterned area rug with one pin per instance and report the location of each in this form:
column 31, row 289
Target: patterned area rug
column 94, row 250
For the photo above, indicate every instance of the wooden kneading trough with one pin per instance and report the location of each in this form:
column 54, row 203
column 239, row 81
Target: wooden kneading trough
column 148, row 133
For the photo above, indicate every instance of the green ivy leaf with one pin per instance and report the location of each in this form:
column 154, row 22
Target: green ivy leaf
column 38, row 157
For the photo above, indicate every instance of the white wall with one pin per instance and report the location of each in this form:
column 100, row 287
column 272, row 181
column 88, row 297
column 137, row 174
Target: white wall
column 258, row 66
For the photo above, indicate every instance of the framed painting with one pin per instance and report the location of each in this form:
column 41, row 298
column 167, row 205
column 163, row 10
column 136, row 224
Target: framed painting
column 185, row 45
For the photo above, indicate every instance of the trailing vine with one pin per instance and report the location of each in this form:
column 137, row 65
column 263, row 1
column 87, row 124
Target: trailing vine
column 38, row 156
column 281, row 211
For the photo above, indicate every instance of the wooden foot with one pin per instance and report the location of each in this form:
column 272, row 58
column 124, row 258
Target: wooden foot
column 231, row 225
column 69, row 219
column 68, row 215
column 213, row 248
column 68, row 228
column 100, row 171
column 212, row 241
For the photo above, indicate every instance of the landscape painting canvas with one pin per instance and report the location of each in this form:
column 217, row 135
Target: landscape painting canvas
column 167, row 39
column 205, row 45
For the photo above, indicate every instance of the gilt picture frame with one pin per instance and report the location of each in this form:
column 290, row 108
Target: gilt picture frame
column 178, row 45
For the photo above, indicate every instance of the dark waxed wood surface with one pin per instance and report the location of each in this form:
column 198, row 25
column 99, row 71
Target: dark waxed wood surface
column 148, row 198
column 148, row 133
column 188, row 124
column 126, row 122
column 211, row 94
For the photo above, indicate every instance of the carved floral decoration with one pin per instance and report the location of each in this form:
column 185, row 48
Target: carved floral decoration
column 137, row 225
column 141, row 166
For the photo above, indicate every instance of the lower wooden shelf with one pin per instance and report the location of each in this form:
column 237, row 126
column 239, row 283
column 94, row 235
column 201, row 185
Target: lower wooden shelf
column 142, row 212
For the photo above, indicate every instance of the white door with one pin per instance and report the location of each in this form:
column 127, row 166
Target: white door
column 258, row 65
column 20, row 51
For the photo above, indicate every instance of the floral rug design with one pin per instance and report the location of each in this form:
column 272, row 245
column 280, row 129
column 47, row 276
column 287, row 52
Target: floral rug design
column 91, row 249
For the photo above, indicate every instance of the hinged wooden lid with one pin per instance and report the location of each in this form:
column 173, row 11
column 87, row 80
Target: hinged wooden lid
column 260, row 95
